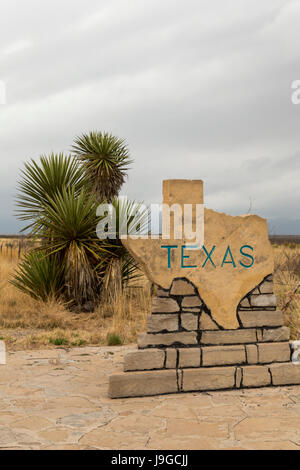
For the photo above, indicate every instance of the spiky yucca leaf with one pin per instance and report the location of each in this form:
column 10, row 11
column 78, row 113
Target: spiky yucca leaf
column 42, row 181
column 71, row 224
column 40, row 276
column 105, row 159
column 131, row 218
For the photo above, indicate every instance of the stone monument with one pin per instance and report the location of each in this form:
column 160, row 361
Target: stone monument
column 214, row 323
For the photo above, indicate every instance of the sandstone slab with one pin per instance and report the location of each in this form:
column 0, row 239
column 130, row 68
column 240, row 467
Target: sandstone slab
column 171, row 358
column 260, row 318
column 273, row 352
column 144, row 360
column 207, row 323
column 164, row 305
column 162, row 322
column 223, row 355
column 167, row 339
column 255, row 376
column 251, row 353
column 189, row 357
column 277, row 334
column 136, row 384
column 182, row 287
column 228, row 337
column 285, row 374
column 189, row 321
column 192, row 301
column 213, row 378
column 266, row 287
column 263, row 300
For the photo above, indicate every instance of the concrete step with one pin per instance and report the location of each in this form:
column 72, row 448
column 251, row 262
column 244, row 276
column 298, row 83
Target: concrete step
column 159, row 382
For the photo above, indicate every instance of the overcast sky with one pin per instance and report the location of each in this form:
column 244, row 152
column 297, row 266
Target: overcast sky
column 199, row 89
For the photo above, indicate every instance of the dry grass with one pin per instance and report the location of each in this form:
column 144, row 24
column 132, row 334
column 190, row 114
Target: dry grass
column 27, row 324
column 287, row 284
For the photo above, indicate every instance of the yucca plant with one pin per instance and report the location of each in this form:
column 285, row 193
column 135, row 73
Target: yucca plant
column 105, row 159
column 42, row 181
column 40, row 276
column 70, row 232
column 117, row 266
column 58, row 198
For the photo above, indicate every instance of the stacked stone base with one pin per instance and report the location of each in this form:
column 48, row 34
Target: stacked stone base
column 159, row 382
column 184, row 350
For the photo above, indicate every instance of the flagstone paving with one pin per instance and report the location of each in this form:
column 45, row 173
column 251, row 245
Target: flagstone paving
column 57, row 399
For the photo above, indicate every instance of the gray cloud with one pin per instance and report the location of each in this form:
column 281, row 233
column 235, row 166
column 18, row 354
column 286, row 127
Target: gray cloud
column 200, row 89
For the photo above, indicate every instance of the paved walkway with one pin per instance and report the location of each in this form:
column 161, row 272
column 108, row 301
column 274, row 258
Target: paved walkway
column 57, row 399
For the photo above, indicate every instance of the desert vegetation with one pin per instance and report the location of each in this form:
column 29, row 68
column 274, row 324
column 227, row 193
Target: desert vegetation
column 61, row 270
column 28, row 323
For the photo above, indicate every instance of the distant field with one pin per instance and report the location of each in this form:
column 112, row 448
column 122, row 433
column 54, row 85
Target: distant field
column 284, row 239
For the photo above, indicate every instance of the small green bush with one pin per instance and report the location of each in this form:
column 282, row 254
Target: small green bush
column 58, row 341
column 113, row 339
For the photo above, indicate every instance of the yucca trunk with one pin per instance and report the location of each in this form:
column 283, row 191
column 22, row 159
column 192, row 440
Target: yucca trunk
column 112, row 281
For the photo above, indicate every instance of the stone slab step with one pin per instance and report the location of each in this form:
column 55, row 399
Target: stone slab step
column 207, row 356
column 148, row 383
column 213, row 338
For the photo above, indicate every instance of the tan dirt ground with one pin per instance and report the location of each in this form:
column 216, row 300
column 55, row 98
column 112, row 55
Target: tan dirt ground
column 57, row 399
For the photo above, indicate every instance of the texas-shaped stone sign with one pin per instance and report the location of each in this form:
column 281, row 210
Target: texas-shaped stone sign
column 222, row 279
column 214, row 323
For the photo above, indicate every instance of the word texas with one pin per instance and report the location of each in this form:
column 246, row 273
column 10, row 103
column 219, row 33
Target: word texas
column 245, row 260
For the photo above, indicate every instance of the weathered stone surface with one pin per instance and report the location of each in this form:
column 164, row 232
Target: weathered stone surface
column 162, row 292
column 263, row 300
column 171, row 359
column 273, row 352
column 138, row 384
column 189, row 321
column 193, row 301
column 161, row 322
column 206, row 323
column 277, row 334
column 182, row 287
column 167, row 339
column 73, row 397
column 245, row 303
column 285, row 374
column 251, row 353
column 255, row 376
column 189, row 357
column 228, row 337
column 144, row 360
column 266, row 287
column 223, row 355
column 191, row 310
column 238, row 377
column 164, row 305
column 259, row 318
column 220, row 288
column 213, row 378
